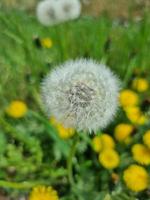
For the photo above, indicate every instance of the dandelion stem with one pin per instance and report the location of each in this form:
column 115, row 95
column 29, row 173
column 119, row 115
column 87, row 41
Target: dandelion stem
column 70, row 159
column 15, row 185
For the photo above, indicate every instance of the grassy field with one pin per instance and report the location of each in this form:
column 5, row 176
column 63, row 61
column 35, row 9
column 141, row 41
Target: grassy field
column 31, row 150
column 123, row 48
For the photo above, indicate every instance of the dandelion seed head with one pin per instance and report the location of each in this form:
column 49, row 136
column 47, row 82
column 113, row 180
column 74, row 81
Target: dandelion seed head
column 68, row 10
column 50, row 12
column 46, row 12
column 81, row 94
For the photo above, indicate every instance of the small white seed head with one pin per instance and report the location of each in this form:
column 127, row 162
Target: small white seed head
column 50, row 12
column 68, row 10
column 46, row 12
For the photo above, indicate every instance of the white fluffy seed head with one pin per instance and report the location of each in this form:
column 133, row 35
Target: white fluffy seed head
column 46, row 12
column 50, row 12
column 68, row 9
column 81, row 94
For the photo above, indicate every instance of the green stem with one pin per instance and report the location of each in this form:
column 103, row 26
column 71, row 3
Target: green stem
column 129, row 72
column 15, row 185
column 69, row 161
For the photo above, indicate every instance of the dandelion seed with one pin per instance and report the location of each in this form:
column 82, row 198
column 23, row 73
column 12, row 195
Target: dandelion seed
column 81, row 94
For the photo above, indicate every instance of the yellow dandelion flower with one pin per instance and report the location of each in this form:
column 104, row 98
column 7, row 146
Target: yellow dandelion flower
column 141, row 154
column 46, row 43
column 136, row 178
column 96, row 143
column 146, row 138
column 123, row 131
column 63, row 132
column 140, row 84
column 43, row 193
column 17, row 109
column 109, row 158
column 102, row 141
column 128, row 98
column 142, row 120
column 135, row 115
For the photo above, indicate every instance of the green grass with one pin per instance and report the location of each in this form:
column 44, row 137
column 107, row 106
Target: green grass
column 22, row 65
column 31, row 144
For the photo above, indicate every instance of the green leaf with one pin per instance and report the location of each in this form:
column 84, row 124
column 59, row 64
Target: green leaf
column 108, row 197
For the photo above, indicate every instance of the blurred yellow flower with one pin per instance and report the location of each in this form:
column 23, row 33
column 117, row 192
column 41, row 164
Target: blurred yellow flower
column 141, row 154
column 43, row 193
column 128, row 98
column 103, row 141
column 96, row 143
column 142, row 120
column 122, row 131
column 63, row 132
column 140, row 84
column 135, row 115
column 109, row 158
column 17, row 109
column 46, row 43
column 136, row 178
column 146, row 138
